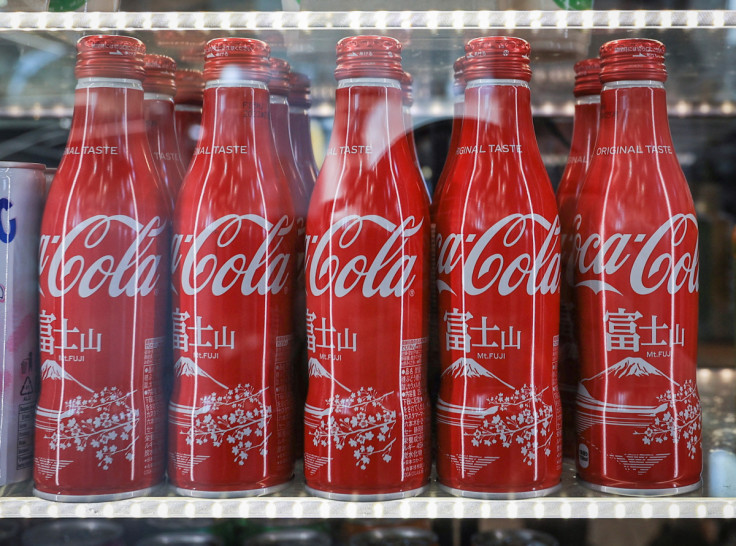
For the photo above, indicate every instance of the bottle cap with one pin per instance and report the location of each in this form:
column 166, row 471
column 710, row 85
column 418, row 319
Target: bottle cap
column 160, row 71
column 406, row 89
column 458, row 86
column 189, row 86
column 368, row 57
column 497, row 57
column 105, row 56
column 587, row 77
column 236, row 59
column 278, row 83
column 633, row 59
column 299, row 90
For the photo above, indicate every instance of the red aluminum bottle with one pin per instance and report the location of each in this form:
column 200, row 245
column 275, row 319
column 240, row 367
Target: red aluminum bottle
column 458, row 90
column 231, row 411
column 636, row 290
column 103, row 291
column 587, row 93
column 458, row 104
column 188, row 111
column 301, row 138
column 279, row 87
column 367, row 412
column 407, row 100
column 498, row 273
column 158, row 108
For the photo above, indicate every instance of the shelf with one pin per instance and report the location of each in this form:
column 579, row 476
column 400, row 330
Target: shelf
column 719, row 417
column 369, row 20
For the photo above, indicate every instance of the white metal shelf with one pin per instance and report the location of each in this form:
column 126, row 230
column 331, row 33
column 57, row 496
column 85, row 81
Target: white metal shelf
column 369, row 20
column 574, row 501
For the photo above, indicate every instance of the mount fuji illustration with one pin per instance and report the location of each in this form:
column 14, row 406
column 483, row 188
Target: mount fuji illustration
column 632, row 367
column 186, row 366
column 630, row 374
column 468, row 367
column 51, row 369
column 318, row 370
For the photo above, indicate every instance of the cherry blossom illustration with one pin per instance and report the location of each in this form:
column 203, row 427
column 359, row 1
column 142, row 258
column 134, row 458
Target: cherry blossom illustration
column 104, row 422
column 680, row 421
column 239, row 419
column 361, row 421
column 521, row 419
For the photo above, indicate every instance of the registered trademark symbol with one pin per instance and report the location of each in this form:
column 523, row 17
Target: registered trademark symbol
column 411, row 292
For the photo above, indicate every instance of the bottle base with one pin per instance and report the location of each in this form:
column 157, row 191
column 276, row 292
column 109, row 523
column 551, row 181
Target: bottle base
column 231, row 494
column 106, row 497
column 513, row 495
column 366, row 498
column 630, row 492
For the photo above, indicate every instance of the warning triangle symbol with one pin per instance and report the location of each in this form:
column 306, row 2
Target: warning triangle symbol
column 27, row 387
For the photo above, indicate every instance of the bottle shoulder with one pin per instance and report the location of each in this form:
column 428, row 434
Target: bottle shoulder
column 491, row 188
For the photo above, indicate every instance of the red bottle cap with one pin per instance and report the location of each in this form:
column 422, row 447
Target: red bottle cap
column 588, row 77
column 633, row 59
column 299, row 90
column 459, row 77
column 278, row 83
column 406, row 89
column 160, row 71
column 497, row 57
column 105, row 56
column 236, row 59
column 189, row 86
column 368, row 57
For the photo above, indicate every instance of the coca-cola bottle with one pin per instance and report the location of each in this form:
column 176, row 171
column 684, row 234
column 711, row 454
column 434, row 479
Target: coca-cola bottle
column 103, row 283
column 230, row 418
column 158, row 109
column 188, row 111
column 367, row 412
column 498, row 272
column 585, row 129
column 407, row 100
column 301, row 137
column 458, row 91
column 278, row 86
column 636, row 290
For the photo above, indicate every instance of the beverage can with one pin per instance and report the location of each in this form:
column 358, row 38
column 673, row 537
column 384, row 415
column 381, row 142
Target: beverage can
column 22, row 188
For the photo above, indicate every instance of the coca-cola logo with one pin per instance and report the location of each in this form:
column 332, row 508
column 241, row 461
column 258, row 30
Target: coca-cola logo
column 498, row 258
column 339, row 257
column 666, row 257
column 131, row 270
column 215, row 258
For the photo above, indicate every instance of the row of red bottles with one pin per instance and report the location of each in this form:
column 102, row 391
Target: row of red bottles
column 242, row 259
column 634, row 262
column 105, row 277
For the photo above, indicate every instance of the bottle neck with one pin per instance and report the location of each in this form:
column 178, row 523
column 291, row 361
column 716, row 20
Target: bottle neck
column 235, row 115
column 108, row 112
column 281, row 124
column 368, row 117
column 301, row 136
column 585, row 128
column 497, row 112
column 159, row 114
column 633, row 113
